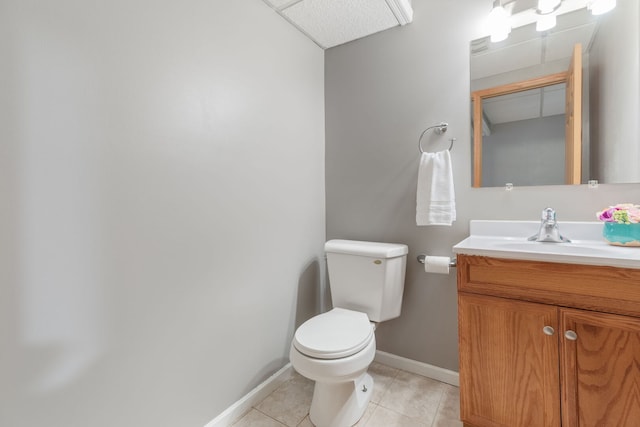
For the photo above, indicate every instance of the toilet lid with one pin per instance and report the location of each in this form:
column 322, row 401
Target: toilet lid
column 335, row 334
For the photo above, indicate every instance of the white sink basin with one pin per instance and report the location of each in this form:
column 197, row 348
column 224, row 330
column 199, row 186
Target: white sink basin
column 574, row 248
column 508, row 239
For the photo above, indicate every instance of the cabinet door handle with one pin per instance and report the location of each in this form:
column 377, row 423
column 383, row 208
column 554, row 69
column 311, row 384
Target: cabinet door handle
column 548, row 330
column 570, row 335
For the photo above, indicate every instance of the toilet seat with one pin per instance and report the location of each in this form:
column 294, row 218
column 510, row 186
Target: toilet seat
column 333, row 335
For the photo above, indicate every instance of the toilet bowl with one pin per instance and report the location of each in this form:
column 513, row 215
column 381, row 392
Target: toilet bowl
column 335, row 349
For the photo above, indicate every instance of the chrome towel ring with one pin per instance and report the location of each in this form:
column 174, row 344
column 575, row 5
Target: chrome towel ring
column 439, row 129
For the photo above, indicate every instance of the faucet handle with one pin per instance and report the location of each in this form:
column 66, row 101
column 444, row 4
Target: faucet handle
column 548, row 215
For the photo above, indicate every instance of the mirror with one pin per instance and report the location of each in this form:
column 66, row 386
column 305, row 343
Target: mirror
column 524, row 130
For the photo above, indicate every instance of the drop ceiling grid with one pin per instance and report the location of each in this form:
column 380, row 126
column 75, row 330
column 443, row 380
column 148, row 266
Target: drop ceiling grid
column 331, row 23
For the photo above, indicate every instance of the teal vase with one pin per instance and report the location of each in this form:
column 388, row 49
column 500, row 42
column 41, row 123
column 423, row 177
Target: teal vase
column 621, row 234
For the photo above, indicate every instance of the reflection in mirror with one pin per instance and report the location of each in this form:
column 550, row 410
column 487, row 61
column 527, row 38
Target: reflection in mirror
column 549, row 120
column 506, row 118
column 516, row 142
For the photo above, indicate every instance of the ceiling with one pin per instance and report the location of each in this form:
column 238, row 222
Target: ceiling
column 333, row 22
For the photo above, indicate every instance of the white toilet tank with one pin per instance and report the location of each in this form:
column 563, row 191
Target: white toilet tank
column 367, row 276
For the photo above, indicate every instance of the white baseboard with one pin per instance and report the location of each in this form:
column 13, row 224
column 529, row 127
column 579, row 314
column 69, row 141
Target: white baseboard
column 420, row 368
column 236, row 411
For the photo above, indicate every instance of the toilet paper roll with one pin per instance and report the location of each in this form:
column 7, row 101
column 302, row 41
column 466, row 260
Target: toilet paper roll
column 436, row 264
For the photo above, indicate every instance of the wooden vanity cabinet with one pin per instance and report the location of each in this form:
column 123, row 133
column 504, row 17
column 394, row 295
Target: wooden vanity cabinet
column 548, row 344
column 508, row 368
column 600, row 369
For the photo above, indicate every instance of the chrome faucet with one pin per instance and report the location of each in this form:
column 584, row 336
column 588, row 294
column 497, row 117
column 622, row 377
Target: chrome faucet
column 549, row 231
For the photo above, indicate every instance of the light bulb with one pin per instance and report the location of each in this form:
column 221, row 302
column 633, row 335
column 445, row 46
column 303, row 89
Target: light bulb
column 545, row 22
column 547, row 6
column 498, row 22
column 498, row 36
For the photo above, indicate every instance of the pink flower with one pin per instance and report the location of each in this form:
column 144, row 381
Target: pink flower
column 606, row 215
column 621, row 213
column 634, row 214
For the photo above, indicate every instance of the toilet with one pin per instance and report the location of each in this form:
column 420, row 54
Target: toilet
column 335, row 348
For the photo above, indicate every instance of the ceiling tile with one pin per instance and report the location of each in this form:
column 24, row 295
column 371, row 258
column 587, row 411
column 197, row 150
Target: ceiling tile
column 331, row 22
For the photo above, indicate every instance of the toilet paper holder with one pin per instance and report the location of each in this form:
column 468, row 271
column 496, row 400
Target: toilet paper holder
column 452, row 261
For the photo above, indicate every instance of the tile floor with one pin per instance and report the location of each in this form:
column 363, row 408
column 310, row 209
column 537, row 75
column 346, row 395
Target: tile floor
column 400, row 399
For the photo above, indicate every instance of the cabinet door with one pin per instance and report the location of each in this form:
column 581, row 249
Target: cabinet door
column 509, row 373
column 600, row 369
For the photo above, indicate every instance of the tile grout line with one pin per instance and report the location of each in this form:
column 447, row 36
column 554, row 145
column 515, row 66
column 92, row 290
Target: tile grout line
column 270, row 417
column 388, row 390
column 435, row 417
column 440, row 399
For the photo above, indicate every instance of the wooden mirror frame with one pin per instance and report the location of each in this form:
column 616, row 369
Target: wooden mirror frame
column 573, row 115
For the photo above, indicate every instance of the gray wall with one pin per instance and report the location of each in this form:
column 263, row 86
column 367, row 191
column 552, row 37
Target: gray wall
column 162, row 209
column 525, row 152
column 381, row 92
column 615, row 87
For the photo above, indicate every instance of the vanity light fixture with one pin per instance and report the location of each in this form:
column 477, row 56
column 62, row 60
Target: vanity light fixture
column 598, row 7
column 544, row 14
column 498, row 22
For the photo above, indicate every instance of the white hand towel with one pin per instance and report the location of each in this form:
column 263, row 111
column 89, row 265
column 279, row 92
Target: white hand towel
column 436, row 204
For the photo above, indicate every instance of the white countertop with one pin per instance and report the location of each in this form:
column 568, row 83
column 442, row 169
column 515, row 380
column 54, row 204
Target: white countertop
column 508, row 239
